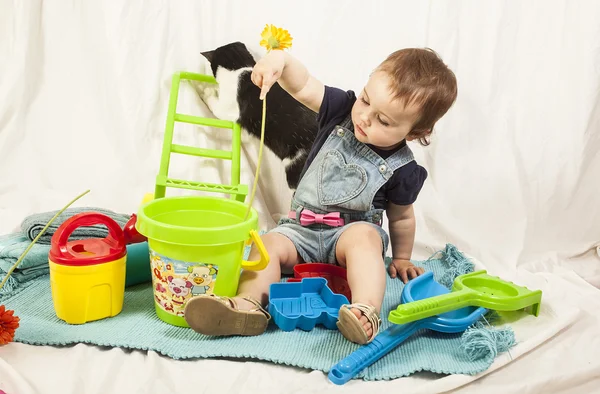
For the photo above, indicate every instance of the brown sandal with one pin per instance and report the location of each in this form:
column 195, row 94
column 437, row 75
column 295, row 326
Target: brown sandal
column 210, row 314
column 352, row 329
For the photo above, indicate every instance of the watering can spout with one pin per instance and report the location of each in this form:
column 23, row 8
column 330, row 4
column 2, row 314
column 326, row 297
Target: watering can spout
column 132, row 236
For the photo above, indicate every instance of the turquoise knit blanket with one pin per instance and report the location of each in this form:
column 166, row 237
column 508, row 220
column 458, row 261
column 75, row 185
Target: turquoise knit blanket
column 137, row 327
column 34, row 264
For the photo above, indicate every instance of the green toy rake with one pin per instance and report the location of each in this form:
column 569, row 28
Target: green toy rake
column 473, row 289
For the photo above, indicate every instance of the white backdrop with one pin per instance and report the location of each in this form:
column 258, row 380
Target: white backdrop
column 514, row 166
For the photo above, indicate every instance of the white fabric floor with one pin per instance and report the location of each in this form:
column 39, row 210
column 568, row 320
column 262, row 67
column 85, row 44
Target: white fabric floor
column 513, row 167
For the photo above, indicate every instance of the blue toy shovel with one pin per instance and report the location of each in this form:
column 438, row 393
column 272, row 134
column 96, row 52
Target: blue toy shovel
column 419, row 288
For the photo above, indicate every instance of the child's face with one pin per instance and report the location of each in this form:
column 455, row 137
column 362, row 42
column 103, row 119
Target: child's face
column 380, row 119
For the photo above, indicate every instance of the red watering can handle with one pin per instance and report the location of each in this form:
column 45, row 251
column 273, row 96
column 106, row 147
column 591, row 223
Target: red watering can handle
column 115, row 238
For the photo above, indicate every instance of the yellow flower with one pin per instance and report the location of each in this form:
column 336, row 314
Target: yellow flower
column 275, row 38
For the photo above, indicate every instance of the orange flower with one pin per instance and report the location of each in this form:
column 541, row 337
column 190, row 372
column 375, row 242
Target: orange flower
column 8, row 325
column 275, row 38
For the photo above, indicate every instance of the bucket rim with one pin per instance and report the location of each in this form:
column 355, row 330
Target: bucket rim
column 185, row 235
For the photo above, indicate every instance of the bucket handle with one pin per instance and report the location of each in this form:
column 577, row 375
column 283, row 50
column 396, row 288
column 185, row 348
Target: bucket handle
column 264, row 256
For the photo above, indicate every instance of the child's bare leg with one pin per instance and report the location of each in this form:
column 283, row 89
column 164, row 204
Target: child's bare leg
column 255, row 284
column 359, row 249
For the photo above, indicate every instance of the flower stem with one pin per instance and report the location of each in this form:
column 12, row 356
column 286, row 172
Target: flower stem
column 10, row 271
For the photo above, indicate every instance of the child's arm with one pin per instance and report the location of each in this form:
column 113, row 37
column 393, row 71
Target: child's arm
column 402, row 237
column 279, row 66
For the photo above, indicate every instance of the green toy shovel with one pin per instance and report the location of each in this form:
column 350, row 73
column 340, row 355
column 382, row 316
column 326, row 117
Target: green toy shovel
column 473, row 289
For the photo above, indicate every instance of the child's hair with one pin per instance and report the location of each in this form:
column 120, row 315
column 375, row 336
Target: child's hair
column 420, row 76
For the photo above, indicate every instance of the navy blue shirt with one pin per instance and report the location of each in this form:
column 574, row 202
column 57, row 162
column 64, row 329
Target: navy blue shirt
column 406, row 183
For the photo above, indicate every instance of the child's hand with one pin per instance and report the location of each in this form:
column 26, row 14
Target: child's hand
column 267, row 71
column 404, row 269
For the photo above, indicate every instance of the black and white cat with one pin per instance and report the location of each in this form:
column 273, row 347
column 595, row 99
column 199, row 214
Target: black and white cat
column 290, row 126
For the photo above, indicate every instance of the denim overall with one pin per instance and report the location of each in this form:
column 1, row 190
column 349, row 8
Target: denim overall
column 336, row 192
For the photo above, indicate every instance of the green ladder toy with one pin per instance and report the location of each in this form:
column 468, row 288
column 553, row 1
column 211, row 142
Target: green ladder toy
column 236, row 190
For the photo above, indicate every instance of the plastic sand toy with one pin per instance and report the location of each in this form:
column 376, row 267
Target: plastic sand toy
column 423, row 287
column 473, row 289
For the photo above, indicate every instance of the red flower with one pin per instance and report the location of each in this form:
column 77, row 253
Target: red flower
column 8, row 325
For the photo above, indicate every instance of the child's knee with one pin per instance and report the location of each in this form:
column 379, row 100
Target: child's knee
column 279, row 247
column 270, row 238
column 363, row 234
column 276, row 243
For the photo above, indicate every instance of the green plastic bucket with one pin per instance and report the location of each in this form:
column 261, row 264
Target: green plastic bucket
column 196, row 246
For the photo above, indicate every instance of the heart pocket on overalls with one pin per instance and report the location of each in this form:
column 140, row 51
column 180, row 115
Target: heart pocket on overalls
column 339, row 182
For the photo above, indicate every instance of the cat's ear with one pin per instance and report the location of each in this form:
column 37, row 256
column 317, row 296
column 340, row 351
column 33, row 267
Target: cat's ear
column 208, row 55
